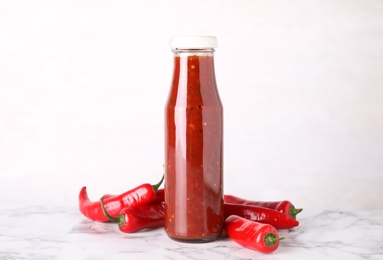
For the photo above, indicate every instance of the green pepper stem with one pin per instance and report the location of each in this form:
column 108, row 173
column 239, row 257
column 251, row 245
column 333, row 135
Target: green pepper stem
column 156, row 186
column 271, row 239
column 294, row 211
column 106, row 213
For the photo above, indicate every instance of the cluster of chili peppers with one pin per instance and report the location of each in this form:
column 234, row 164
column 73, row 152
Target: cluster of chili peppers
column 136, row 209
column 252, row 224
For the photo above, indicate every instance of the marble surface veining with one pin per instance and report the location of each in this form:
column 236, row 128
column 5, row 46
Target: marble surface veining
column 55, row 232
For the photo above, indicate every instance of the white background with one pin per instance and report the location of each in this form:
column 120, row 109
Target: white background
column 83, row 86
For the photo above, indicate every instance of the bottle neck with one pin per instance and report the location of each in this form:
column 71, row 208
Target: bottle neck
column 194, row 72
column 194, row 81
column 194, row 62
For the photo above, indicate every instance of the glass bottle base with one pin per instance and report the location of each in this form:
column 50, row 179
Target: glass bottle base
column 194, row 240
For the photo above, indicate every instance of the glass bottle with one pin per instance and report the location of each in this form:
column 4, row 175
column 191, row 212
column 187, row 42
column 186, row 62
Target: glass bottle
column 194, row 144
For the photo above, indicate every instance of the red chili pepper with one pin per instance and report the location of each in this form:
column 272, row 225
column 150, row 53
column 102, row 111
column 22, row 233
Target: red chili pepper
column 260, row 214
column 284, row 206
column 138, row 218
column 141, row 195
column 160, row 197
column 254, row 235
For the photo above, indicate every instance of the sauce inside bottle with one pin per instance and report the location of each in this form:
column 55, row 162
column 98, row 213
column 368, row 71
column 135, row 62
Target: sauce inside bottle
column 194, row 149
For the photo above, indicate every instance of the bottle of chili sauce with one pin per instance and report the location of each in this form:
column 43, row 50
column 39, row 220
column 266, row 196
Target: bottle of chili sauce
column 194, row 144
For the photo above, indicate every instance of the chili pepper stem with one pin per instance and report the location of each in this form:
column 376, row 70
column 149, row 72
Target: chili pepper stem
column 271, row 239
column 294, row 211
column 113, row 219
column 156, row 186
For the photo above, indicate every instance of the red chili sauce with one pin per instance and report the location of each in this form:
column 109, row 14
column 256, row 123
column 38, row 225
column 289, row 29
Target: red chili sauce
column 194, row 151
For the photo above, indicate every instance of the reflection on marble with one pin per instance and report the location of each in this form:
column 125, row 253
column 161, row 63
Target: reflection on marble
column 48, row 232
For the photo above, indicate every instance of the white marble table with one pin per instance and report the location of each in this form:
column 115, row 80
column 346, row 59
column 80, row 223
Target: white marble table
column 61, row 232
